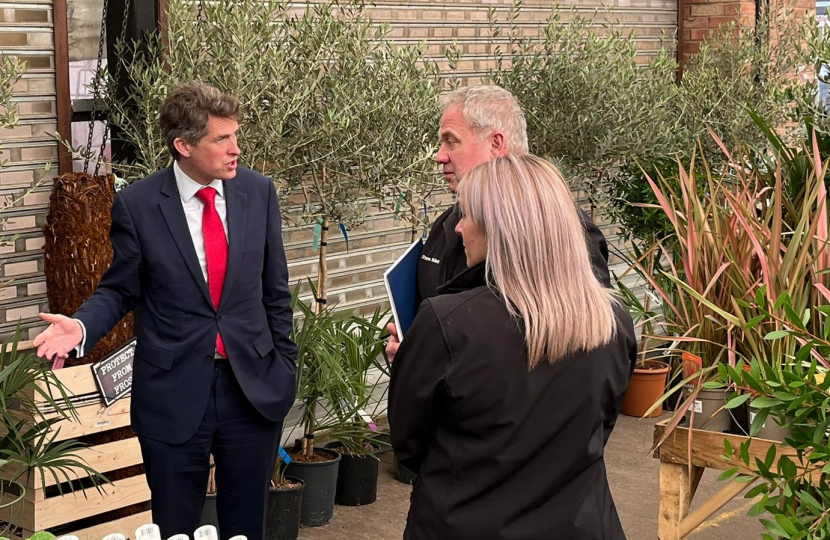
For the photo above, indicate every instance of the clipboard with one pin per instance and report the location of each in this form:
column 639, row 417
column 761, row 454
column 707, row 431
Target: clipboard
column 402, row 287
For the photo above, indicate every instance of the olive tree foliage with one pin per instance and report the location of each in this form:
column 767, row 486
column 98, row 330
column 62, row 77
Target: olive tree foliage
column 365, row 133
column 588, row 102
column 738, row 68
column 602, row 110
column 11, row 70
column 238, row 46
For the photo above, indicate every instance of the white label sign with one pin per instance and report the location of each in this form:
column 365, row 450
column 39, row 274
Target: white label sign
column 698, row 408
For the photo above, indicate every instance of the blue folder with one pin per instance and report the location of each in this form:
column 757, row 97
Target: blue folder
column 402, row 287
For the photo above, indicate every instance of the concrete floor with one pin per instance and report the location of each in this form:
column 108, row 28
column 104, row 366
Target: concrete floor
column 632, row 473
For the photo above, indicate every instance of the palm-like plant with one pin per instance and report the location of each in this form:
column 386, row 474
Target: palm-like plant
column 332, row 380
column 29, row 445
column 361, row 349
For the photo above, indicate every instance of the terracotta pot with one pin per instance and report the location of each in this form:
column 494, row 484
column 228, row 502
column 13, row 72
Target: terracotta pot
column 647, row 385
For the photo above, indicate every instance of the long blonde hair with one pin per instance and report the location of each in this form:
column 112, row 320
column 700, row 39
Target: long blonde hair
column 537, row 256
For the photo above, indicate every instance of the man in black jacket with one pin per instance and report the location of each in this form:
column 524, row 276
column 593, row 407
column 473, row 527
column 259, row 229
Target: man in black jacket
column 478, row 124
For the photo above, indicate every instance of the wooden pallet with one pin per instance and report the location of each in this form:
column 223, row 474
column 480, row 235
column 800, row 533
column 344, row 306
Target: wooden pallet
column 43, row 509
column 679, row 478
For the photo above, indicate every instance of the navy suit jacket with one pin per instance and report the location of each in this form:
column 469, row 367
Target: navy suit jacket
column 155, row 271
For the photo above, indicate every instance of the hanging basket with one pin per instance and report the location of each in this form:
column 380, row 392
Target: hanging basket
column 78, row 250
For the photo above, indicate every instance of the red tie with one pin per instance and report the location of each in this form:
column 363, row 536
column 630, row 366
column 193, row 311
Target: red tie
column 216, row 251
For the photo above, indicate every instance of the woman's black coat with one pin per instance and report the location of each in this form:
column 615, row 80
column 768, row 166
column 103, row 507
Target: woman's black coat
column 503, row 452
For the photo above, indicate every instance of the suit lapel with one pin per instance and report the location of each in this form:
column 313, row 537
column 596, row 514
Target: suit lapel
column 237, row 210
column 171, row 209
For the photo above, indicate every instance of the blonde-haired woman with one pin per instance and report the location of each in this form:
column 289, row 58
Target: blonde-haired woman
column 508, row 384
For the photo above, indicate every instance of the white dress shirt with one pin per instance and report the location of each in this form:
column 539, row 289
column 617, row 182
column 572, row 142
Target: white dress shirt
column 193, row 210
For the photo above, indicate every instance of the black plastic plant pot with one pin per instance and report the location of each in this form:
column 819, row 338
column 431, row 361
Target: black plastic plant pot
column 210, row 516
column 284, row 507
column 404, row 474
column 320, row 479
column 357, row 479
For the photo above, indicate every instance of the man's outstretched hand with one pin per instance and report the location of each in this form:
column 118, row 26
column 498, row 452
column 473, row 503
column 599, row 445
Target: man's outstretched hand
column 60, row 338
column 393, row 343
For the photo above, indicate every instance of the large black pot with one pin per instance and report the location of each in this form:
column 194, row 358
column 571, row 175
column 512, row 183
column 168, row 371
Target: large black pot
column 357, row 478
column 320, row 479
column 282, row 522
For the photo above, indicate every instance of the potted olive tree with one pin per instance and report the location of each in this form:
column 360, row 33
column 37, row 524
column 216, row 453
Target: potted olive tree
column 326, row 392
column 285, row 498
column 352, row 144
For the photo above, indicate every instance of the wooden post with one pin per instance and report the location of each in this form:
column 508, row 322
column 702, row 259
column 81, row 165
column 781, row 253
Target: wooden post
column 674, row 499
column 64, row 107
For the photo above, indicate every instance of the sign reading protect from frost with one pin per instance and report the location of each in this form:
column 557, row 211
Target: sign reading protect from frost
column 114, row 374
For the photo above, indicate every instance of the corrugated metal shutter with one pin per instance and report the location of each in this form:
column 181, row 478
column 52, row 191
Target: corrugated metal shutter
column 26, row 33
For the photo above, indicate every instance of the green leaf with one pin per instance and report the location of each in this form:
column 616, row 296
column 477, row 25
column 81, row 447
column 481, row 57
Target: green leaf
column 761, row 296
column 753, row 322
column 787, row 467
column 757, row 490
column 738, row 401
column 763, row 402
column 744, row 479
column 774, row 528
column 776, row 334
column 758, row 422
column 727, row 474
column 793, row 317
column 786, row 524
column 728, row 450
column 770, row 457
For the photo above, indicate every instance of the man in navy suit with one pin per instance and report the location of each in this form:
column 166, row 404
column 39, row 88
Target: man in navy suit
column 198, row 256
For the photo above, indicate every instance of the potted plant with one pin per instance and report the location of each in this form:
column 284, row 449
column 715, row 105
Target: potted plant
column 285, row 498
column 356, row 437
column 322, row 384
column 648, row 382
column 745, row 249
column 29, row 447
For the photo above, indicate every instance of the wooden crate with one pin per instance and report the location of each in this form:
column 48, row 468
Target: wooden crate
column 44, row 509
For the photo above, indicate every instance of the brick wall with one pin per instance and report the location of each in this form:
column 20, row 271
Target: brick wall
column 356, row 275
column 700, row 17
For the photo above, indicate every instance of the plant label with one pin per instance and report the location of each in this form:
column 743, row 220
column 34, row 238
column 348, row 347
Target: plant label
column 206, row 532
column 698, row 407
column 148, row 532
column 114, row 374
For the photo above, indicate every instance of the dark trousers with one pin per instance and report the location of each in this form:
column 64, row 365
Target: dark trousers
column 244, row 447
